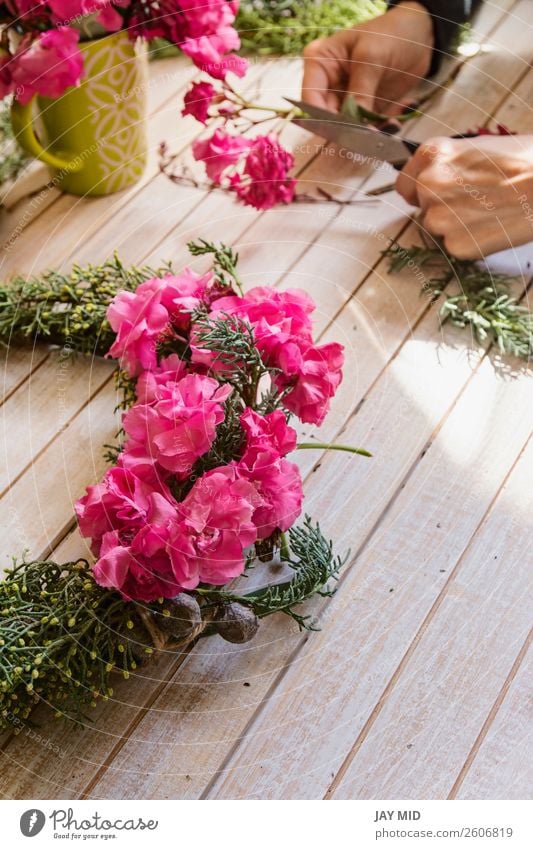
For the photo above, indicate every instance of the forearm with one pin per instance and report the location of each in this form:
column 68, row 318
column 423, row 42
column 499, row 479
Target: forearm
column 447, row 16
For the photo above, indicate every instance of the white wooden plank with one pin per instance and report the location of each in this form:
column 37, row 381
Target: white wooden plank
column 43, row 407
column 420, row 740
column 38, row 509
column 501, row 768
column 15, row 366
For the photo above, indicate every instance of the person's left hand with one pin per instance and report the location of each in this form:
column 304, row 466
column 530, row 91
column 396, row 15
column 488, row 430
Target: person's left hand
column 475, row 193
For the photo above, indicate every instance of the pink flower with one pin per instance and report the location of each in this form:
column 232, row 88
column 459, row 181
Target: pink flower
column 198, row 100
column 182, row 294
column 49, row 65
column 277, row 481
column 202, row 28
column 139, row 319
column 208, row 544
column 158, row 306
column 314, row 376
column 123, row 502
column 67, row 11
column 179, row 426
column 219, row 152
column 279, row 484
column 266, row 432
column 265, row 180
column 280, row 320
column 141, row 571
column 264, row 307
column 151, row 385
column 207, row 52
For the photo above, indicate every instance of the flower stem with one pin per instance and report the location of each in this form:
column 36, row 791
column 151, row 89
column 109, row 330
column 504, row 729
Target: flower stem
column 330, row 446
column 284, row 547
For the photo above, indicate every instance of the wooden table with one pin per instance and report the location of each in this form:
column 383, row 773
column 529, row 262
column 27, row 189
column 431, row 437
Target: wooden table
column 416, row 686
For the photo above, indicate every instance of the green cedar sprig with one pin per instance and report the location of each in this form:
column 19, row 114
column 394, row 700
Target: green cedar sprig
column 225, row 261
column 484, row 303
column 311, row 557
column 68, row 309
column 61, row 637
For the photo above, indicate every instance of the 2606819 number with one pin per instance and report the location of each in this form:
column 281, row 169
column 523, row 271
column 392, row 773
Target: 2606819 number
column 487, row 832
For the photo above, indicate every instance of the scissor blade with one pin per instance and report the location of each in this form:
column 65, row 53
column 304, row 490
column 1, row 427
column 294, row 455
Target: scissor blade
column 367, row 144
column 324, row 114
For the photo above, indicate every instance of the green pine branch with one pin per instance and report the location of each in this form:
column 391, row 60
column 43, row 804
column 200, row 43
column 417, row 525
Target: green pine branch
column 484, row 303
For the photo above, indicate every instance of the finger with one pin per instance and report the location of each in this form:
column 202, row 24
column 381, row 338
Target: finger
column 315, row 84
column 480, row 240
column 363, row 82
column 408, row 182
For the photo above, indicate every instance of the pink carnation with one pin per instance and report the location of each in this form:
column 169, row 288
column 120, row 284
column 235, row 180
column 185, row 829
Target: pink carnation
column 184, row 293
column 270, row 431
column 179, row 426
column 142, row 318
column 65, row 11
column 265, row 180
column 314, row 373
column 207, row 52
column 219, row 152
column 141, row 571
column 151, row 385
column 198, row 100
column 48, row 66
column 202, row 28
column 139, row 319
column 281, row 321
column 264, row 306
column 277, row 481
column 208, row 544
column 123, row 502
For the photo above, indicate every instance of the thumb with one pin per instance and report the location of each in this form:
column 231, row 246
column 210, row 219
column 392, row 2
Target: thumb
column 363, row 83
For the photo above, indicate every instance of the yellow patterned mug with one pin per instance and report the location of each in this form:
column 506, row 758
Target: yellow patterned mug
column 93, row 136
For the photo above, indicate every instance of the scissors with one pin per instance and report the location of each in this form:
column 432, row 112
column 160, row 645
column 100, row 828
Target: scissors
column 349, row 133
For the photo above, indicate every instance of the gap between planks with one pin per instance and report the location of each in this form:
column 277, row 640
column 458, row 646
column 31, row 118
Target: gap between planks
column 491, row 716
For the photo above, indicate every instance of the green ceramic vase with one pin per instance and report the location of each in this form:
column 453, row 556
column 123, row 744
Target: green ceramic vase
column 93, row 137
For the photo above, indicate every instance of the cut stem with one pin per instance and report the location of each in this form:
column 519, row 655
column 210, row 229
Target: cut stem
column 330, row 446
column 284, row 547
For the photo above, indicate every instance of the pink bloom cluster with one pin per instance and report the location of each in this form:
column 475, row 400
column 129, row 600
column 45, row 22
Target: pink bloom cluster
column 257, row 170
column 306, row 373
column 50, row 61
column 157, row 523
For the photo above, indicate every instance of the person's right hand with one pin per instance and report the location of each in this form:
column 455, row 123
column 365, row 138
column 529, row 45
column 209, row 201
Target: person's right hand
column 377, row 62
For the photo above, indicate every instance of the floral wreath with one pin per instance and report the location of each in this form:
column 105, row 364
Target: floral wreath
column 200, row 489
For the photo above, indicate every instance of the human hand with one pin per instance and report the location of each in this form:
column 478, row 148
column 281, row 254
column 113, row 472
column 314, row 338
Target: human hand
column 475, row 193
column 377, row 62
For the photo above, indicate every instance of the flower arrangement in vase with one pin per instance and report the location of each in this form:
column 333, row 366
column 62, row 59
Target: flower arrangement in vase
column 81, row 62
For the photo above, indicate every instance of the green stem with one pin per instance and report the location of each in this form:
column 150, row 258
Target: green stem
column 330, row 446
column 284, row 547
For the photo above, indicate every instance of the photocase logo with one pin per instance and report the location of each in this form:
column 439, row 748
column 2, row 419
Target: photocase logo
column 32, row 822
